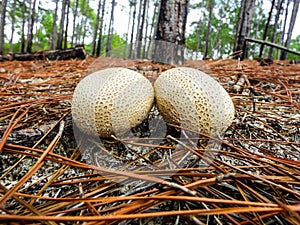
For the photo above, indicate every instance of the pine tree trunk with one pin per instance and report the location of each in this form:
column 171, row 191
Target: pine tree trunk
column 284, row 25
column 2, row 25
column 80, row 25
column 96, row 29
column 291, row 28
column 74, row 23
column 13, row 20
column 67, row 25
column 153, row 26
column 30, row 26
column 137, row 30
column 110, row 29
column 99, row 44
column 139, row 38
column 207, row 38
column 22, row 46
column 61, row 25
column 84, row 25
column 128, row 29
column 273, row 40
column 132, row 31
column 266, row 29
column 146, row 31
column 54, row 29
column 244, row 26
column 170, row 32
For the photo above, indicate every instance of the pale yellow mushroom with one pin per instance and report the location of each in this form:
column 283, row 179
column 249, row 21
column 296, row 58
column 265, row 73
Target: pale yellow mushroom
column 111, row 101
column 193, row 100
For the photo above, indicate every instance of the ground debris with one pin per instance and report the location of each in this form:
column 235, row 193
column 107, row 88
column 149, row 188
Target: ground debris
column 251, row 175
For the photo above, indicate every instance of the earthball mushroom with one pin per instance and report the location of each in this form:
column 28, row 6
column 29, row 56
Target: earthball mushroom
column 111, row 101
column 193, row 100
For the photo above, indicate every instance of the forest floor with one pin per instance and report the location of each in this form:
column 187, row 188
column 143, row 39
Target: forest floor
column 251, row 177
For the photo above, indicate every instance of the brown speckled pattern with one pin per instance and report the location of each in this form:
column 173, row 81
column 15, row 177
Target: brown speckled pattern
column 111, row 101
column 194, row 100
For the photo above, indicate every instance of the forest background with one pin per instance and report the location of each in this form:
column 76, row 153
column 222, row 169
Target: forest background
column 212, row 30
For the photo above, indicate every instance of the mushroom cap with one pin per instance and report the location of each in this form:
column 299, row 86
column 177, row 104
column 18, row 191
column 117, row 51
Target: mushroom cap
column 193, row 100
column 111, row 101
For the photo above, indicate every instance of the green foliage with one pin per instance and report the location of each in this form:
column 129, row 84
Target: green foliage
column 295, row 45
column 16, row 47
column 222, row 29
column 47, row 23
column 87, row 11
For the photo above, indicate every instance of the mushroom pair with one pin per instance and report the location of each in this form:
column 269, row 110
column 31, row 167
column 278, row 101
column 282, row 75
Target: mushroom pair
column 111, row 101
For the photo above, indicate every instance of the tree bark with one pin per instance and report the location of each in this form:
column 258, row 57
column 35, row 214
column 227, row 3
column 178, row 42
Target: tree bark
column 139, row 38
column 30, row 26
column 67, row 26
column 13, row 20
column 146, row 31
column 244, row 27
column 132, row 31
column 273, row 45
column 61, row 25
column 84, row 25
column 153, row 26
column 2, row 25
column 96, row 29
column 291, row 28
column 207, row 37
column 74, row 22
column 128, row 29
column 22, row 46
column 284, row 25
column 273, row 40
column 266, row 28
column 54, row 29
column 110, row 29
column 72, row 53
column 170, row 32
column 99, row 44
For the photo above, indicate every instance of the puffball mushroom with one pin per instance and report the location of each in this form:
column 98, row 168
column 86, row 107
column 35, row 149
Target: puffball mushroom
column 111, row 101
column 194, row 100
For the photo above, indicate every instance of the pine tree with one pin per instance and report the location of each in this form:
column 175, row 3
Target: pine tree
column 170, row 32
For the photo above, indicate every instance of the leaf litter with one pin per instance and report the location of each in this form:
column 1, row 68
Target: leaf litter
column 251, row 177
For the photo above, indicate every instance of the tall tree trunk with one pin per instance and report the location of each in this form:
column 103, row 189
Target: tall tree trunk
column 153, row 26
column 54, row 28
column 137, row 29
column 273, row 40
column 199, row 38
column 81, row 24
column 13, row 20
column 207, row 37
column 132, row 31
column 84, row 25
column 284, row 25
column 170, row 32
column 99, row 44
column 244, row 26
column 141, row 20
column 128, row 29
column 61, row 25
column 146, row 31
column 110, row 29
column 67, row 25
column 30, row 25
column 2, row 25
column 96, row 29
column 291, row 28
column 22, row 46
column 75, row 11
column 266, row 29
